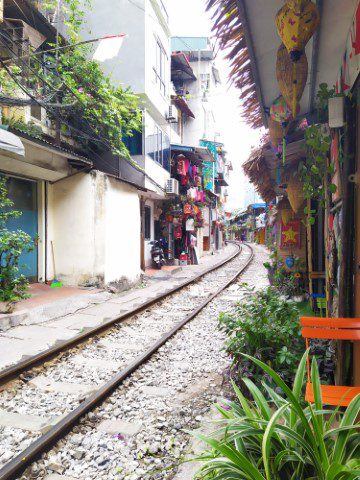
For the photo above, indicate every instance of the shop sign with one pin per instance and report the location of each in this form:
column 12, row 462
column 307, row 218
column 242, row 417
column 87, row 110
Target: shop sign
column 351, row 62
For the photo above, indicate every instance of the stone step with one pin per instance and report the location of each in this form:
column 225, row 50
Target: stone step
column 114, row 427
column 48, row 385
column 32, row 423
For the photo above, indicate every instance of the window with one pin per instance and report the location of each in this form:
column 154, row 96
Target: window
column 147, row 223
column 205, row 81
column 161, row 64
column 157, row 145
column 35, row 112
column 134, row 143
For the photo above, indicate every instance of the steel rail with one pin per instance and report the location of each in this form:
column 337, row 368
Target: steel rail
column 9, row 373
column 15, row 467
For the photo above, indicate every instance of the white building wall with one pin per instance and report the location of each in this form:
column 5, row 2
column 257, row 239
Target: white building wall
column 203, row 126
column 156, row 29
column 94, row 224
column 112, row 17
column 72, row 210
column 122, row 225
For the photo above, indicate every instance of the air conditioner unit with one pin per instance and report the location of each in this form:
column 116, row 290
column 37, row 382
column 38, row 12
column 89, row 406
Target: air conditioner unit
column 173, row 114
column 172, row 186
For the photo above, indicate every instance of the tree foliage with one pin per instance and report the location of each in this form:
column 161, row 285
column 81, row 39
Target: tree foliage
column 13, row 285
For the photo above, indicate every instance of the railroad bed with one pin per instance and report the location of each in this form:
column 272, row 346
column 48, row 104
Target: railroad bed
column 116, row 401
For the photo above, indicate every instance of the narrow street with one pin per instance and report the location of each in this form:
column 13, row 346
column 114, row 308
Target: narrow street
column 137, row 431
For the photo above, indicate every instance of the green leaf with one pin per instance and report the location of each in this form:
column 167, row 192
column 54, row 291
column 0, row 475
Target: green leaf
column 266, row 443
column 348, row 419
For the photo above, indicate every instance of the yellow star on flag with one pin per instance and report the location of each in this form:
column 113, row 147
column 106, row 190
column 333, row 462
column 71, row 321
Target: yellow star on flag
column 290, row 235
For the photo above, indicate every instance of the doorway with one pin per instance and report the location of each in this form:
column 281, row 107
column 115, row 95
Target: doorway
column 24, row 194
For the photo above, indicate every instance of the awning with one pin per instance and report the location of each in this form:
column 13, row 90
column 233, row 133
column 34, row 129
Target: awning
column 35, row 38
column 199, row 154
column 181, row 68
column 11, row 143
column 182, row 105
column 221, row 181
column 205, row 154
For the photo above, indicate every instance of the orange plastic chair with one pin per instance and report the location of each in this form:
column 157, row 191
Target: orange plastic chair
column 330, row 329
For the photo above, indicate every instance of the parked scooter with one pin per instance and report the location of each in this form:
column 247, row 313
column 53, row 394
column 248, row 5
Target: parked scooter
column 157, row 254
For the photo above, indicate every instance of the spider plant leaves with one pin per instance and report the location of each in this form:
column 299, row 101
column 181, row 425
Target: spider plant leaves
column 348, row 419
column 266, row 443
column 238, row 461
column 293, row 443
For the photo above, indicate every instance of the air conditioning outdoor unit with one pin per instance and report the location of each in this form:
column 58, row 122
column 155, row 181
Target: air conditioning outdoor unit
column 172, row 186
column 173, row 114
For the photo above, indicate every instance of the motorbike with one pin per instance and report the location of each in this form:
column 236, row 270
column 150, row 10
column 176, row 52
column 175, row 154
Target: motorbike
column 157, row 254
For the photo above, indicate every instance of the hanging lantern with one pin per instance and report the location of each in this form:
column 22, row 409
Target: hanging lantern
column 280, row 112
column 275, row 132
column 285, row 76
column 285, row 211
column 297, row 5
column 295, row 194
column 295, row 28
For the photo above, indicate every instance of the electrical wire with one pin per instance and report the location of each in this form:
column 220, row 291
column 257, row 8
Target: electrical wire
column 100, row 139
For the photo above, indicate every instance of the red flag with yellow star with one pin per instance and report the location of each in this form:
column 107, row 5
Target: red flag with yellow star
column 290, row 234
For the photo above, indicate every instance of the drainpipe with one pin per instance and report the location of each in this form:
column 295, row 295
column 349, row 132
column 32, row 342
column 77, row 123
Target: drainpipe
column 46, row 193
column 315, row 60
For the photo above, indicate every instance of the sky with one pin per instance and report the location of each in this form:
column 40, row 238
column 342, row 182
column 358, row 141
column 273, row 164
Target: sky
column 237, row 137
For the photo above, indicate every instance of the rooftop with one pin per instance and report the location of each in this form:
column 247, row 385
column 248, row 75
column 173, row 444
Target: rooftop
column 195, row 47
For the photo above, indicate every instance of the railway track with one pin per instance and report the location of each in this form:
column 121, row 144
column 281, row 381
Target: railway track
column 110, row 355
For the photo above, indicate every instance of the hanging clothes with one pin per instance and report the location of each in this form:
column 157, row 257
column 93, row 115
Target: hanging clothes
column 181, row 170
column 190, row 225
column 187, row 209
column 178, row 232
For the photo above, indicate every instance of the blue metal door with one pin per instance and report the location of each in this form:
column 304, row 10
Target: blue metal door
column 24, row 195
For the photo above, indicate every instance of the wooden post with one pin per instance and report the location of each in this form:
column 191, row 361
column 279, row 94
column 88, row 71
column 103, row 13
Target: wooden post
column 1, row 10
column 326, row 235
column 309, row 250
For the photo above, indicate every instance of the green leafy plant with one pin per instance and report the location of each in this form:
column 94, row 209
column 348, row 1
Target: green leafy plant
column 13, row 244
column 315, row 170
column 106, row 112
column 266, row 326
column 279, row 439
column 322, row 101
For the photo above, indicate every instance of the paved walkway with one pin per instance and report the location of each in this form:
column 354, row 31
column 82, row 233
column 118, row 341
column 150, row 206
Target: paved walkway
column 72, row 315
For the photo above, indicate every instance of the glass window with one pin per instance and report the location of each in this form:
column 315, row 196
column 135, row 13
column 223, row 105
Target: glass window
column 134, row 143
column 35, row 111
column 147, row 223
column 160, row 67
column 205, row 81
column 157, row 145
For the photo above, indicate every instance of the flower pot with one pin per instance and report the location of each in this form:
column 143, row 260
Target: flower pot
column 6, row 307
column 298, row 298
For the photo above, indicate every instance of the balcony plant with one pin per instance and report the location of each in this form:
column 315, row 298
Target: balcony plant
column 279, row 439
